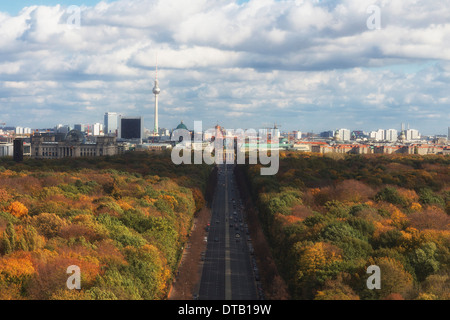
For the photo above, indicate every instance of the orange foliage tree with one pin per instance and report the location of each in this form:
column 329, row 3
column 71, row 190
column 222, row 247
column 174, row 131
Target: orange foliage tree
column 18, row 209
column 16, row 267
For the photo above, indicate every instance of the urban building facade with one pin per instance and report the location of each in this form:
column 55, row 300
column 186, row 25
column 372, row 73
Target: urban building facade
column 74, row 145
column 131, row 128
column 111, row 123
column 343, row 134
column 391, row 135
column 412, row 134
column 6, row 149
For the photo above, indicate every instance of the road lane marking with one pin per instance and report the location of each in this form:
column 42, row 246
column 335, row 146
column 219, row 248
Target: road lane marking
column 227, row 244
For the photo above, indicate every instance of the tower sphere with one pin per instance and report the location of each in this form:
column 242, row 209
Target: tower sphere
column 156, row 89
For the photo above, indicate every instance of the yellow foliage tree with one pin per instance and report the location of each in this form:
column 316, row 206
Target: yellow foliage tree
column 15, row 268
column 124, row 205
column 315, row 257
column 399, row 219
column 17, row 209
column 170, row 200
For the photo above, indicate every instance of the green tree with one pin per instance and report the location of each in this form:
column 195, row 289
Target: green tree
column 391, row 195
column 427, row 196
column 11, row 234
column 6, row 244
column 424, row 260
column 389, row 239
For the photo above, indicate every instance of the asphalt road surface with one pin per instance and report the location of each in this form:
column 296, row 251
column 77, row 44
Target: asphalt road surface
column 229, row 271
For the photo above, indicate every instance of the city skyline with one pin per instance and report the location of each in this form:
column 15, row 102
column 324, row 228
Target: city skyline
column 307, row 65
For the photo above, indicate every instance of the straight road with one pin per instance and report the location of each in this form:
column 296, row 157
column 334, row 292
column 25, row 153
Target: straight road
column 228, row 271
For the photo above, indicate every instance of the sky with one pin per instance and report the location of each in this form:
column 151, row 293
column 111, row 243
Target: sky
column 308, row 65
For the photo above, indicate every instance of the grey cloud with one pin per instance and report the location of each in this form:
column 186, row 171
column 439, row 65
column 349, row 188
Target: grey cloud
column 297, row 62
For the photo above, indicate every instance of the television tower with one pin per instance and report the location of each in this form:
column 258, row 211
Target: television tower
column 156, row 92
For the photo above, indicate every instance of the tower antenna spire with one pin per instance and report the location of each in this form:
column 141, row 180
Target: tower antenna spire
column 156, row 92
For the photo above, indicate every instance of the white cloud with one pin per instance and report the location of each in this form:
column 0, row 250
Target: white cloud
column 281, row 60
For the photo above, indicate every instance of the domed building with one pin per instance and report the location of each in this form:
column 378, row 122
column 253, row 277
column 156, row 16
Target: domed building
column 181, row 126
column 46, row 146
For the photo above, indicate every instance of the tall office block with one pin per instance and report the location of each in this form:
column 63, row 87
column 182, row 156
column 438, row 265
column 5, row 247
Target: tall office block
column 18, row 150
column 111, row 123
column 131, row 128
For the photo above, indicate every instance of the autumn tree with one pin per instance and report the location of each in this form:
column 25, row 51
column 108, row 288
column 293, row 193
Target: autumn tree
column 394, row 278
column 15, row 271
column 48, row 224
column 17, row 209
column 337, row 289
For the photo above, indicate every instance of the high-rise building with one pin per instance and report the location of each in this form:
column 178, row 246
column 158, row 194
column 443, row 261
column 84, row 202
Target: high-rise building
column 344, row 134
column 131, row 128
column 391, row 135
column 412, row 134
column 97, row 129
column 378, row 135
column 111, row 123
column 18, row 150
column 80, row 127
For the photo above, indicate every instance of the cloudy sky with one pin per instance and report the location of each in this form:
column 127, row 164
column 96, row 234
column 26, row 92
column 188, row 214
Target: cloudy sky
column 309, row 65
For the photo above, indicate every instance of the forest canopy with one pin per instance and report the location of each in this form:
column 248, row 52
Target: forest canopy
column 328, row 218
column 122, row 220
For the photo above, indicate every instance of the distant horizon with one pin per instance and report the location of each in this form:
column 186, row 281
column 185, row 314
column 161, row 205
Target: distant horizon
column 254, row 127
